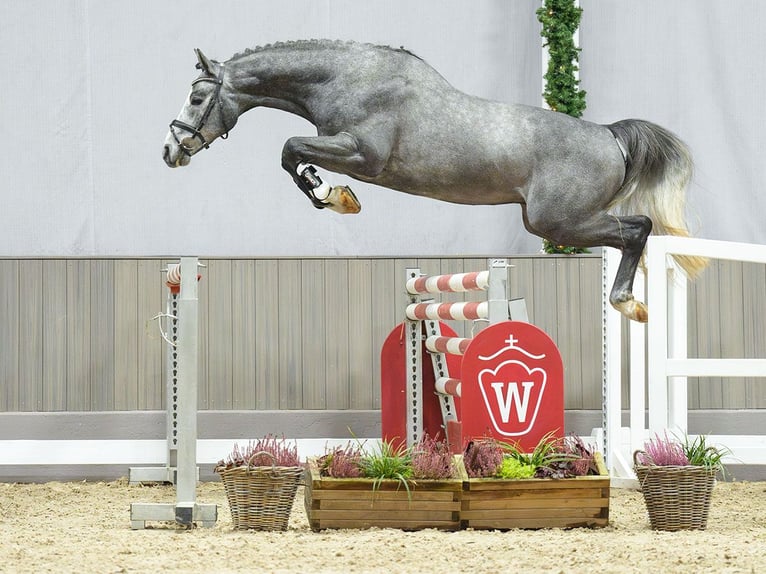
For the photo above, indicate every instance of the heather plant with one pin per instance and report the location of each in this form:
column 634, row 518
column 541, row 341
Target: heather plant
column 342, row 462
column 432, row 460
column 280, row 453
column 482, row 457
column 662, row 451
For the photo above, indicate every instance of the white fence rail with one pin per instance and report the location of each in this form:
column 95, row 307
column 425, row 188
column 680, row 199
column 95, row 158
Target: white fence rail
column 665, row 355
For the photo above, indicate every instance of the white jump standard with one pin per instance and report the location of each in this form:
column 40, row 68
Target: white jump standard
column 181, row 468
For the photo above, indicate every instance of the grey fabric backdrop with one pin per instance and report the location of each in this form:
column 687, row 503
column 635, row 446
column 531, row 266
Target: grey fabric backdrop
column 91, row 86
column 696, row 67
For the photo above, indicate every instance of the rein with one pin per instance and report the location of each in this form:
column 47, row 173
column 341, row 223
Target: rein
column 195, row 131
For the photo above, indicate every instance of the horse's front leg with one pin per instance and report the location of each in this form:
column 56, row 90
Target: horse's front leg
column 340, row 153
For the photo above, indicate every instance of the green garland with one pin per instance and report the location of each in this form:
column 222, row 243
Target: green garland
column 560, row 20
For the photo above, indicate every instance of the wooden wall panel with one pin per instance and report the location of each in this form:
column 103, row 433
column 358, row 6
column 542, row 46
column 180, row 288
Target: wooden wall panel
column 54, row 335
column 732, row 313
column 545, row 305
column 568, row 317
column 151, row 300
column 127, row 330
column 363, row 324
column 267, row 335
column 290, row 343
column 30, row 335
column 243, row 334
column 78, row 383
column 306, row 333
column 205, row 329
column 335, row 333
column 312, row 319
column 219, row 328
column 102, row 328
column 709, row 389
column 590, row 331
column 754, row 301
column 9, row 335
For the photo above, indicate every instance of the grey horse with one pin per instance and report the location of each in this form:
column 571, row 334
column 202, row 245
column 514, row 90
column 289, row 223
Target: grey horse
column 385, row 116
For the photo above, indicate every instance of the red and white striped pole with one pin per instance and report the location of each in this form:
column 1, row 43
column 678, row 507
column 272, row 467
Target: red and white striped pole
column 465, row 311
column 451, row 345
column 455, row 283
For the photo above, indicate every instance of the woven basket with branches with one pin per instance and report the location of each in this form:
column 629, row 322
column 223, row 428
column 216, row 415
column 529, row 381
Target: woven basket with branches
column 676, row 497
column 260, row 497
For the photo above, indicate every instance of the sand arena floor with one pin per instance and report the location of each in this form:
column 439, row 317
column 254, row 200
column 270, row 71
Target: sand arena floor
column 85, row 527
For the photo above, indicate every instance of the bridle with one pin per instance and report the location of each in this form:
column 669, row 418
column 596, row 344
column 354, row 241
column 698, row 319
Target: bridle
column 195, row 131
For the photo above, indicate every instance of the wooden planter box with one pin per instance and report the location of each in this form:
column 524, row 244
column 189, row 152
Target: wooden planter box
column 491, row 503
column 352, row 503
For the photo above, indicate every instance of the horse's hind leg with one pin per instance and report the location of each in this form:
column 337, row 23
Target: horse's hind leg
column 626, row 233
column 634, row 231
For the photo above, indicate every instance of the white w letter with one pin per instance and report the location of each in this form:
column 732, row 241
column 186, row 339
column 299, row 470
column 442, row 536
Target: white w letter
column 512, row 396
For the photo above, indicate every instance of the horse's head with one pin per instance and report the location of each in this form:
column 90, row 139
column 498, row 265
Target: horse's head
column 209, row 112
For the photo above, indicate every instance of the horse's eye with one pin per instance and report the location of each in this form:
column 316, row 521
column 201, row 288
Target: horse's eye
column 196, row 101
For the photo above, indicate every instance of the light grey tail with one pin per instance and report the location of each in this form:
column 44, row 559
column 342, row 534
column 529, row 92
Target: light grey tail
column 659, row 168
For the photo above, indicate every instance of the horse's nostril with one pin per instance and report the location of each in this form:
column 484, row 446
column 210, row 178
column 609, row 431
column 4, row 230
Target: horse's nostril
column 166, row 152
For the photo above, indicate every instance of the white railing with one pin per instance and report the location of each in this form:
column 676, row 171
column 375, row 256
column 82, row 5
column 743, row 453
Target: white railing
column 667, row 364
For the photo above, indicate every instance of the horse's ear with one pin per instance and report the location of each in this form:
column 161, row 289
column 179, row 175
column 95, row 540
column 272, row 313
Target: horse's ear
column 204, row 63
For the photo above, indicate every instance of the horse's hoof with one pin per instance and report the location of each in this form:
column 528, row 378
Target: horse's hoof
column 633, row 310
column 641, row 313
column 343, row 200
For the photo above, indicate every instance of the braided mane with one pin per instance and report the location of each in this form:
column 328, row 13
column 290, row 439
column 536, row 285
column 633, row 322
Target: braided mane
column 313, row 44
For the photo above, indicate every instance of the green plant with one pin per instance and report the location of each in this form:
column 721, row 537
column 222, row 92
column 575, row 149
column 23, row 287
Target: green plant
column 553, row 249
column 551, row 458
column 700, row 453
column 387, row 462
column 512, row 467
column 568, row 457
column 544, row 452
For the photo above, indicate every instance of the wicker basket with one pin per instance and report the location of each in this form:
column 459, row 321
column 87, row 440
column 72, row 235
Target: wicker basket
column 260, row 497
column 676, row 497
